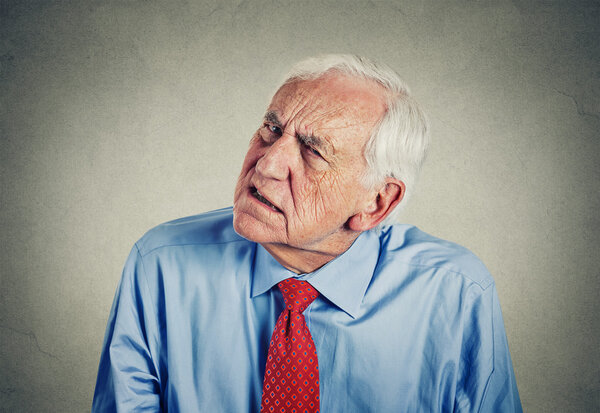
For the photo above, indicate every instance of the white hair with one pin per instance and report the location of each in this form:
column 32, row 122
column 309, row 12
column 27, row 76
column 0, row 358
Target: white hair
column 399, row 142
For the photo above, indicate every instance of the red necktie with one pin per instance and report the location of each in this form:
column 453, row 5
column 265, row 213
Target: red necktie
column 291, row 382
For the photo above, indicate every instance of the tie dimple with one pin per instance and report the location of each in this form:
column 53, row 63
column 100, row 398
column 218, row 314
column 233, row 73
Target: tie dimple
column 297, row 294
column 291, row 383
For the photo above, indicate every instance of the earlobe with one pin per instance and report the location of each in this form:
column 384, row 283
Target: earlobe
column 388, row 197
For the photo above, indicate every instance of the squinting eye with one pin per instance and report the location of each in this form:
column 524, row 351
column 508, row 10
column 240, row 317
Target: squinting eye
column 313, row 151
column 274, row 129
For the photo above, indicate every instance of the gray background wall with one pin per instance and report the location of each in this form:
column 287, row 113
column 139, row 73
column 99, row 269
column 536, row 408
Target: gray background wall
column 116, row 116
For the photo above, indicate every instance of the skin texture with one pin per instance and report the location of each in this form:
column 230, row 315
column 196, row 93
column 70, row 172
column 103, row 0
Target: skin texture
column 307, row 159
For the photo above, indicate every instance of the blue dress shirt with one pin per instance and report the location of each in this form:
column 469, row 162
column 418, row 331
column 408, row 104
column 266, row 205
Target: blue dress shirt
column 405, row 323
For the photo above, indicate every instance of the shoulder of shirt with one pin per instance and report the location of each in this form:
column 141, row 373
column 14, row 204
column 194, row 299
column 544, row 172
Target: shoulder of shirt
column 214, row 227
column 408, row 244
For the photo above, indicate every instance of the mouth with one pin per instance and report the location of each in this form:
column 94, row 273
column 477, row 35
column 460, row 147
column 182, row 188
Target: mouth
column 256, row 194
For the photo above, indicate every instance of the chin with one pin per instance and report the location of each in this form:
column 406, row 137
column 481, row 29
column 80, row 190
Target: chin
column 253, row 229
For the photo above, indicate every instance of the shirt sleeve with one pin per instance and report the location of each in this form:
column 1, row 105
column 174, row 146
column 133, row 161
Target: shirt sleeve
column 487, row 380
column 127, row 376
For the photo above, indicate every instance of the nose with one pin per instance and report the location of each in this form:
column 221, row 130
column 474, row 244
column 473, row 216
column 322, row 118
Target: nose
column 279, row 158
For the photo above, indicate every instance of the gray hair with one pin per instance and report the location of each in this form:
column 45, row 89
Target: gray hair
column 399, row 142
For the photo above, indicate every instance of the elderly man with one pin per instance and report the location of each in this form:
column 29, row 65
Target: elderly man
column 302, row 298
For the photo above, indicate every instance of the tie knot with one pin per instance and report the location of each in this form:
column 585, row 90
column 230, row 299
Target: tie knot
column 297, row 294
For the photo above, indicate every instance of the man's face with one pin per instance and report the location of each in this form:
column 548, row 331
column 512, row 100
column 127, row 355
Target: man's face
column 301, row 178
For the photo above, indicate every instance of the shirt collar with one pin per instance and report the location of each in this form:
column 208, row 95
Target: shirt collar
column 343, row 280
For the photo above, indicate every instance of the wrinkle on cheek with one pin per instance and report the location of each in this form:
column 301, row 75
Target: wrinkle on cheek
column 302, row 204
column 318, row 206
column 305, row 214
column 323, row 185
column 319, row 196
column 335, row 184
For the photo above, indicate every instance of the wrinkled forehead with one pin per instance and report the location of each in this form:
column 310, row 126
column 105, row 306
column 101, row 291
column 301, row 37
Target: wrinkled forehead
column 332, row 101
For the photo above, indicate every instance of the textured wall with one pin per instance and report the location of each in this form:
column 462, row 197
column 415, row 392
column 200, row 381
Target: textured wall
column 116, row 116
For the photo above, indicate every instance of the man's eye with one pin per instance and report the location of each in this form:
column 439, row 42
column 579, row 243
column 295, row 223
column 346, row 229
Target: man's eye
column 274, row 129
column 313, row 151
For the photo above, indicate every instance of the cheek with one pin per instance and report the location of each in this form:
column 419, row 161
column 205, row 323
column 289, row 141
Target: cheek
column 321, row 197
column 253, row 155
column 250, row 160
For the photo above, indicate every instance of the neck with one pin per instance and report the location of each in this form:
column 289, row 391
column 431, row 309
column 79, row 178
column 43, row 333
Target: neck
column 302, row 261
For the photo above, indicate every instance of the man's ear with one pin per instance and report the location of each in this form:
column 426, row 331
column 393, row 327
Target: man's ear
column 380, row 206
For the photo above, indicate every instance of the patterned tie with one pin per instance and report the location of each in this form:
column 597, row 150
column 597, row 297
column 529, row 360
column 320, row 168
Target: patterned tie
column 291, row 382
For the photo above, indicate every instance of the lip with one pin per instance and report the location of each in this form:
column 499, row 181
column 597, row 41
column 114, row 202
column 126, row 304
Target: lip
column 251, row 192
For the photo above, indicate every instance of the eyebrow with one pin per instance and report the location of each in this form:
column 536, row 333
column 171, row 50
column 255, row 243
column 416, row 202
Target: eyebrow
column 310, row 140
column 315, row 142
column 272, row 117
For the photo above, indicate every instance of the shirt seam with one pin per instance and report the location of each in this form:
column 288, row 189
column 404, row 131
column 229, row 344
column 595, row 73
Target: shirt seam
column 154, row 312
column 186, row 244
column 491, row 282
column 489, row 379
